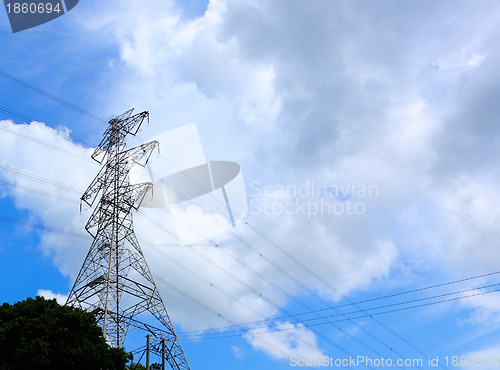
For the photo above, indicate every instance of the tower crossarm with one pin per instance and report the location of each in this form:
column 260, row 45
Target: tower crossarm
column 94, row 188
column 119, row 127
column 139, row 155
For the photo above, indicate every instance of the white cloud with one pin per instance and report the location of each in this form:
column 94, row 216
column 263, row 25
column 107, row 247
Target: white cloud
column 486, row 308
column 468, row 217
column 41, row 158
column 288, row 341
column 476, row 60
column 48, row 294
column 238, row 351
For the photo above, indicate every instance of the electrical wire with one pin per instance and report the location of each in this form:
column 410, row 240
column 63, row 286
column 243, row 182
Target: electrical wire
column 51, row 96
column 39, row 192
column 333, row 289
column 44, row 228
column 302, row 321
column 36, row 122
column 366, row 315
column 41, row 180
column 45, row 144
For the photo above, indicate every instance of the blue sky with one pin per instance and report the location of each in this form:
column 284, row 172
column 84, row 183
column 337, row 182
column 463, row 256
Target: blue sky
column 401, row 97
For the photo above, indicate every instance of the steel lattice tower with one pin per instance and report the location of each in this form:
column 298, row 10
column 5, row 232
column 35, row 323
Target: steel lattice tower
column 115, row 282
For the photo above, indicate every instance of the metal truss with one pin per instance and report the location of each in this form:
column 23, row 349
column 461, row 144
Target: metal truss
column 115, row 282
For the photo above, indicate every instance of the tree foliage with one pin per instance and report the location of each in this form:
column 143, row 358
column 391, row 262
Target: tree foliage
column 41, row 334
column 136, row 366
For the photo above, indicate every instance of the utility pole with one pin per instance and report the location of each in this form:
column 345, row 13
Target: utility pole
column 148, row 344
column 163, row 354
column 115, row 282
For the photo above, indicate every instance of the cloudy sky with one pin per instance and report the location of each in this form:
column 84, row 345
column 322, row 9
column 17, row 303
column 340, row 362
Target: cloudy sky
column 367, row 138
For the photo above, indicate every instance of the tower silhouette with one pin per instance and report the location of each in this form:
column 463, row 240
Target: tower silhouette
column 115, row 282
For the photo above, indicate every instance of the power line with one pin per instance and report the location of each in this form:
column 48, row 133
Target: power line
column 15, row 114
column 45, row 144
column 58, row 71
column 39, row 192
column 299, row 263
column 353, row 312
column 377, row 299
column 203, row 279
column 43, row 227
column 36, row 122
column 51, row 96
column 368, row 315
column 32, row 177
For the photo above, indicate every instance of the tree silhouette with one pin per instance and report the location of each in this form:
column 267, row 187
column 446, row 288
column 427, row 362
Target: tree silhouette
column 41, row 334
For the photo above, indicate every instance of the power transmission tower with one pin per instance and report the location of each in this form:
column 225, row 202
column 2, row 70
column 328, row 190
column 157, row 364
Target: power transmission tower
column 115, row 282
